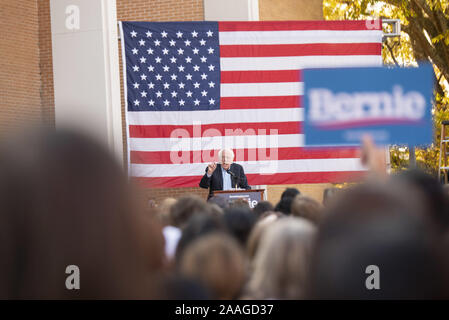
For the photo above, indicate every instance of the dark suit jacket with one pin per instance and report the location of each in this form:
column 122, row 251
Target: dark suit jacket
column 215, row 182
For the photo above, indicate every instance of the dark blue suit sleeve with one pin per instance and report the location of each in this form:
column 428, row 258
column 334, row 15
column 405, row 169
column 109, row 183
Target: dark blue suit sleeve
column 205, row 181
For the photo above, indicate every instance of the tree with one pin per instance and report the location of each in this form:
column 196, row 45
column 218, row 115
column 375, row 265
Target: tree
column 424, row 38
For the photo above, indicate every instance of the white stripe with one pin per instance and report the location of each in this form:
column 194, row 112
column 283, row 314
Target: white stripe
column 295, row 63
column 214, row 116
column 253, row 167
column 262, row 89
column 299, row 37
column 175, row 144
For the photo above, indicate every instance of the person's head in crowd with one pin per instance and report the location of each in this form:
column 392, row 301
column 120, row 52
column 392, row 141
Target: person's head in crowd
column 163, row 211
column 178, row 287
column 433, row 196
column 307, row 208
column 198, row 226
column 226, row 158
column 377, row 232
column 257, row 231
column 284, row 205
column 185, row 208
column 64, row 201
column 329, row 195
column 290, row 193
column 219, row 201
column 239, row 222
column 218, row 263
column 280, row 267
column 262, row 207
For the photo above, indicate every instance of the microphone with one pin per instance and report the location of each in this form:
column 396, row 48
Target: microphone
column 230, row 172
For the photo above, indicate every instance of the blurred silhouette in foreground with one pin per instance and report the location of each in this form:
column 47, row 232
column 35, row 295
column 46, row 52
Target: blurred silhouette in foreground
column 65, row 201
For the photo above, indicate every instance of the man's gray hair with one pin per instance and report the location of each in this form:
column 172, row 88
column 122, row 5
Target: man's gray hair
column 227, row 152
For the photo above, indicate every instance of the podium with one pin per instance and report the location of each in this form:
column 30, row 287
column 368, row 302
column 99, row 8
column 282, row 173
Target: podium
column 253, row 196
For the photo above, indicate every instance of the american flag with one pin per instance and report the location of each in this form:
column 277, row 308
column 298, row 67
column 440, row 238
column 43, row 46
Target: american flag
column 193, row 88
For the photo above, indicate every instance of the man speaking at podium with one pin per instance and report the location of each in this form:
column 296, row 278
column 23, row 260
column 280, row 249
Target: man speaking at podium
column 225, row 175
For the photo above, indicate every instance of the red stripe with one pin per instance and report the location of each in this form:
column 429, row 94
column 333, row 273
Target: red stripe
column 261, row 102
column 291, row 50
column 260, row 76
column 153, row 157
column 220, row 129
column 299, row 25
column 256, row 179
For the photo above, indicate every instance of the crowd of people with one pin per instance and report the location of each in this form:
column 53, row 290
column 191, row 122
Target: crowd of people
column 65, row 201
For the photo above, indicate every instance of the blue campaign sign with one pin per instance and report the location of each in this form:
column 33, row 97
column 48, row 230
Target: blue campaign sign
column 392, row 105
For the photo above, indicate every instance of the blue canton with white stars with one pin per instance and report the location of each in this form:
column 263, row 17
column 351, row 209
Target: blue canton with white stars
column 172, row 66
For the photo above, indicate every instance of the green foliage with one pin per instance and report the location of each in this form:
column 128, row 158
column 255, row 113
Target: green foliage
column 424, row 38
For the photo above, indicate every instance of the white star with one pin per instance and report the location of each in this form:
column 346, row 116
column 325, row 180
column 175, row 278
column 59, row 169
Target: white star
column 189, row 93
column 203, row 59
column 181, row 68
column 143, row 76
column 166, row 68
column 151, row 85
column 209, row 33
column 172, row 43
column 211, row 84
column 164, row 34
column 157, row 43
column 174, row 94
column 196, row 68
column 189, row 76
column 135, row 51
column 187, row 42
column 165, row 51
column 136, row 68
column 197, row 102
column 195, row 50
column 181, row 85
column 196, row 85
column 179, row 34
column 204, row 76
column 211, row 67
column 181, row 102
column 151, row 68
column 143, row 60
column 143, row 94
column 211, row 101
column 194, row 34
column 150, row 51
column 158, row 60
column 133, row 34
column 136, row 102
column 202, row 42
column 166, row 103
column 204, row 93
column 149, row 34
column 180, row 51
column 136, row 85
column 151, row 102
column 174, row 76
column 166, row 85
column 188, row 60
column 159, row 94
column 142, row 42
column 210, row 50
column 158, row 77
column 173, row 60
